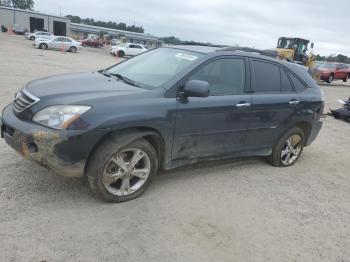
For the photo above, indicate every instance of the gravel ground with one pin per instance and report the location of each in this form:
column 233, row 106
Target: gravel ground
column 236, row 210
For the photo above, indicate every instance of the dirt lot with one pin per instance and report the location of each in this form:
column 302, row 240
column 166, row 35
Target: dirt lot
column 237, row 210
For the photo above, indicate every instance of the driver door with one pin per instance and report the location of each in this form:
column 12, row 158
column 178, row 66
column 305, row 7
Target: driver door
column 215, row 125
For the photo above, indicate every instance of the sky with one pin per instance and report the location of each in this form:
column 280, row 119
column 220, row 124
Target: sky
column 253, row 23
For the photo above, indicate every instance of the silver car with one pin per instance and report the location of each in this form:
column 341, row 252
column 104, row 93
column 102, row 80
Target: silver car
column 39, row 34
column 59, row 42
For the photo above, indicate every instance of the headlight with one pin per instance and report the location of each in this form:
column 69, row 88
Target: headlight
column 60, row 116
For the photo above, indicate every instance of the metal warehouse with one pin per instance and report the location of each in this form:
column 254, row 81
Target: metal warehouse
column 31, row 21
column 59, row 25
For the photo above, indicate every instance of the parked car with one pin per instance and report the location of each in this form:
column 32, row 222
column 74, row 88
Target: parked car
column 128, row 49
column 39, row 34
column 58, row 42
column 92, row 42
column 18, row 30
column 162, row 109
column 329, row 72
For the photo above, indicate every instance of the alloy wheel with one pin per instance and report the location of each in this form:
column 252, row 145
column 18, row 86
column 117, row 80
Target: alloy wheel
column 291, row 150
column 126, row 172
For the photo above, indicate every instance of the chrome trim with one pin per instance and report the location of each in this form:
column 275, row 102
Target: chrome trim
column 18, row 99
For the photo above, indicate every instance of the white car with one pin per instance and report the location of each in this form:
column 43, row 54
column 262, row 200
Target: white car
column 59, row 43
column 128, row 49
column 39, row 34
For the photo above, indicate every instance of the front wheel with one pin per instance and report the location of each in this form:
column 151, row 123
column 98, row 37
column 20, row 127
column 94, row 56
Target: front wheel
column 288, row 149
column 121, row 174
column 121, row 53
column 43, row 46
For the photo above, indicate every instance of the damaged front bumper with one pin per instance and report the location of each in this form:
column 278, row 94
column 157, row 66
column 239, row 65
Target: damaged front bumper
column 63, row 151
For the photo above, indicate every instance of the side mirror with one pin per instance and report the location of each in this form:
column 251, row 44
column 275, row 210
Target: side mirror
column 196, row 88
column 312, row 45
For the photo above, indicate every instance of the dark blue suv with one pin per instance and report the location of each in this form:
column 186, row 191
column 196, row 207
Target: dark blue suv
column 162, row 109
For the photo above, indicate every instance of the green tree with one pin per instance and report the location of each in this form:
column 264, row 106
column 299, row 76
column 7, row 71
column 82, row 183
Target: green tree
column 74, row 18
column 23, row 4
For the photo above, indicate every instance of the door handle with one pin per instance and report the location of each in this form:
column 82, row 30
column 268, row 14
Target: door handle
column 294, row 102
column 242, row 105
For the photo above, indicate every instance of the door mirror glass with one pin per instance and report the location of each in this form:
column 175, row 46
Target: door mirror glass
column 196, row 88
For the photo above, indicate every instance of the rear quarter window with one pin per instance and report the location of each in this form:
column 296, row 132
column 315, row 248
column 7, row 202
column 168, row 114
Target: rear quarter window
column 298, row 85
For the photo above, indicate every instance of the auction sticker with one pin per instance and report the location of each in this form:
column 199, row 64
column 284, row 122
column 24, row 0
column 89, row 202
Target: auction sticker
column 186, row 56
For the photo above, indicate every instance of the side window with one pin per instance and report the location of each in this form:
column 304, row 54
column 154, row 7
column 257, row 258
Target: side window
column 132, row 46
column 67, row 40
column 298, row 85
column 138, row 46
column 286, row 86
column 225, row 76
column 266, row 77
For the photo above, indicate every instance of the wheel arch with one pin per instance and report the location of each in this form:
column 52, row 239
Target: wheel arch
column 126, row 136
column 305, row 127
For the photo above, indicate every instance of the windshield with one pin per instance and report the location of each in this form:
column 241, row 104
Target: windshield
column 328, row 66
column 152, row 69
column 286, row 43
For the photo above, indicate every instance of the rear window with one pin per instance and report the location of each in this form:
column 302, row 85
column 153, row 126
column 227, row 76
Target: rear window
column 266, row 77
column 270, row 78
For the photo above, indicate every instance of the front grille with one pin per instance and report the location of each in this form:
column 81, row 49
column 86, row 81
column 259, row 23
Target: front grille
column 23, row 100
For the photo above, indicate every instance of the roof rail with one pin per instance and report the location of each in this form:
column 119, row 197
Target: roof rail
column 269, row 53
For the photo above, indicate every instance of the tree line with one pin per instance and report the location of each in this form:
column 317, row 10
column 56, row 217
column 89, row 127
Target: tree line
column 20, row 4
column 109, row 24
column 334, row 58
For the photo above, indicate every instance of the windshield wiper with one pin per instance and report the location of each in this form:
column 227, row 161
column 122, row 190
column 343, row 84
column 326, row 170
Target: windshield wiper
column 104, row 73
column 124, row 79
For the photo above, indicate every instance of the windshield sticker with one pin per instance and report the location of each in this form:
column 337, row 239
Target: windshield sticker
column 186, row 56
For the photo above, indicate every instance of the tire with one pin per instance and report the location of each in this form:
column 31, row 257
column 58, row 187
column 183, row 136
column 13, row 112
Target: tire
column 330, row 78
column 107, row 179
column 279, row 156
column 346, row 78
column 73, row 49
column 43, row 46
column 32, row 38
column 120, row 53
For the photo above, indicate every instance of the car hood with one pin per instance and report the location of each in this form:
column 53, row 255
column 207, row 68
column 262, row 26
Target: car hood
column 79, row 87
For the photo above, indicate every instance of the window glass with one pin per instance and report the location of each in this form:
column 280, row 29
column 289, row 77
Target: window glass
column 298, row 85
column 225, row 76
column 58, row 39
column 154, row 68
column 286, row 86
column 266, row 77
column 67, row 39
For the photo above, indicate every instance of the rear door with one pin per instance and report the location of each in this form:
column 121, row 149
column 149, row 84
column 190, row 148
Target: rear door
column 215, row 125
column 274, row 103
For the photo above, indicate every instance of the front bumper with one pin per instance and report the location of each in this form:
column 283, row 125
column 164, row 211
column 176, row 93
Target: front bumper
column 63, row 151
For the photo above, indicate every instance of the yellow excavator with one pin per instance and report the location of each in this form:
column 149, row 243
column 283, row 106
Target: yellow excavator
column 296, row 50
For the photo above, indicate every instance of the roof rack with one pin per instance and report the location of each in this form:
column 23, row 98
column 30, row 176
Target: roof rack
column 270, row 53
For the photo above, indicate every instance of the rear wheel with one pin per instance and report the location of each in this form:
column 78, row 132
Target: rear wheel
column 330, row 78
column 121, row 174
column 73, row 49
column 43, row 46
column 288, row 149
column 32, row 38
column 121, row 53
column 346, row 78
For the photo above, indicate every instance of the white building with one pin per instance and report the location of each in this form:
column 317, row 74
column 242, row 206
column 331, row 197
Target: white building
column 59, row 25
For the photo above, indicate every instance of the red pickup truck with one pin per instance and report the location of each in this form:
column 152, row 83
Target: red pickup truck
column 329, row 72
